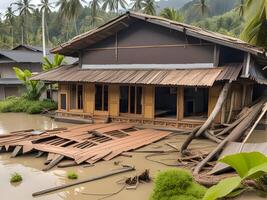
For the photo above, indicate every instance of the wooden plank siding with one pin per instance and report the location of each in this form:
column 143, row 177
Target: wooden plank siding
column 148, row 106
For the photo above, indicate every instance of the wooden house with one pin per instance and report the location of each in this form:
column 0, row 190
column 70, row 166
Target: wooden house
column 149, row 70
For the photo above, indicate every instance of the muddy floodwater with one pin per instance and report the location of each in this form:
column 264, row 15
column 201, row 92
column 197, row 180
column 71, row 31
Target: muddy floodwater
column 34, row 179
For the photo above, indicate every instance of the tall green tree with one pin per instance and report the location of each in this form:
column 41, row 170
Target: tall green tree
column 69, row 10
column 172, row 14
column 149, row 7
column 10, row 18
column 94, row 6
column 113, row 5
column 256, row 23
column 202, row 6
column 137, row 5
column 241, row 8
column 24, row 7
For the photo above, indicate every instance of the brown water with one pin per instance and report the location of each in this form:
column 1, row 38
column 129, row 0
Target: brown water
column 21, row 121
column 34, row 179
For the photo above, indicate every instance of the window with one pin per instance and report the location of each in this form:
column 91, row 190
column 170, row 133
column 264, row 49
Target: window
column 131, row 99
column 76, row 97
column 101, row 97
column 63, row 101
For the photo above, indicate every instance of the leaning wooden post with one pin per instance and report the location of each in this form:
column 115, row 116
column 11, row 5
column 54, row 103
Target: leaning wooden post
column 216, row 110
column 199, row 130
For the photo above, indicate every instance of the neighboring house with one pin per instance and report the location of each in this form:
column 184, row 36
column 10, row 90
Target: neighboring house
column 24, row 57
column 145, row 69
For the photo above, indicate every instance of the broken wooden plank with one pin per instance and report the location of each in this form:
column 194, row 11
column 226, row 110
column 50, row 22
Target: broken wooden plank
column 108, row 174
column 16, row 151
column 54, row 162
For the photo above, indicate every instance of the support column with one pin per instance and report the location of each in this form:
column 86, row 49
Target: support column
column 149, row 102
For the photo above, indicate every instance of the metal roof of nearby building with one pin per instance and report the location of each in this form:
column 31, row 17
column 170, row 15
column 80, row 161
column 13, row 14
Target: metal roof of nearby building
column 86, row 39
column 10, row 81
column 31, row 48
column 21, row 56
column 185, row 77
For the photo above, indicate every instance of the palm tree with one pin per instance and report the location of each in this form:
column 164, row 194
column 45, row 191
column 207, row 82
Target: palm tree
column 202, row 6
column 45, row 8
column 25, row 8
column 94, row 6
column 241, row 8
column 255, row 28
column 10, row 18
column 70, row 9
column 172, row 14
column 137, row 5
column 149, row 7
column 113, row 5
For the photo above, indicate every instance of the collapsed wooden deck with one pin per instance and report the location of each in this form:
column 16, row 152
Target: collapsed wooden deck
column 82, row 144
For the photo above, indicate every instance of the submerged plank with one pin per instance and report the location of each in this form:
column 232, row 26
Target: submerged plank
column 16, row 151
column 108, row 174
column 54, row 162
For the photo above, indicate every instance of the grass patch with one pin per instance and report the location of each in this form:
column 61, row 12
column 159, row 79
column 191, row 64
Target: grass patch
column 176, row 184
column 15, row 178
column 20, row 104
column 72, row 175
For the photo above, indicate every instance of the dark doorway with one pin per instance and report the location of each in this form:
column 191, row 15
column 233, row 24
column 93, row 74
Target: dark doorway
column 165, row 102
column 131, row 99
column 196, row 102
column 101, row 97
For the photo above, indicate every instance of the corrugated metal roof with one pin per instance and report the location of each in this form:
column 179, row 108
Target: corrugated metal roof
column 71, row 47
column 259, row 75
column 185, row 77
column 10, row 81
column 24, row 56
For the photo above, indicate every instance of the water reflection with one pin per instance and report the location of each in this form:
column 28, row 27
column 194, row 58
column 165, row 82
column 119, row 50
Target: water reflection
column 21, row 121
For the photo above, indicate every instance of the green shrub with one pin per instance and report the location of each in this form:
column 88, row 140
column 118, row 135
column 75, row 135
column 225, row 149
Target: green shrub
column 72, row 175
column 176, row 184
column 20, row 104
column 15, row 178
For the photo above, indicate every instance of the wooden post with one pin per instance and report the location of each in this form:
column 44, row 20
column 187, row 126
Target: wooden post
column 114, row 100
column 180, row 103
column 89, row 98
column 149, row 102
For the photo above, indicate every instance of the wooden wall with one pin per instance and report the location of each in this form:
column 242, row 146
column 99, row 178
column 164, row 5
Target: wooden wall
column 148, row 101
column 145, row 43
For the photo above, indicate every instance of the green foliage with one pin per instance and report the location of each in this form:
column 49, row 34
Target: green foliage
column 248, row 166
column 255, row 27
column 57, row 61
column 72, row 175
column 20, row 104
column 15, row 178
column 172, row 14
column 34, row 88
column 176, row 184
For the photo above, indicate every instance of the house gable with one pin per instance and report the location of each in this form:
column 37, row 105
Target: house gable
column 146, row 43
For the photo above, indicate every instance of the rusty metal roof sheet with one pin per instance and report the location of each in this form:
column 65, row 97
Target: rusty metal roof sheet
column 186, row 77
column 88, row 38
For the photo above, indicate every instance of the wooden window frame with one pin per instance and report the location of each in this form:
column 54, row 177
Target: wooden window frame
column 135, row 101
column 76, row 97
column 59, row 102
column 103, row 98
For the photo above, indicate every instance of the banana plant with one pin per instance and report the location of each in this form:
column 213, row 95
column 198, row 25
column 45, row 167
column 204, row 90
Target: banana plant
column 33, row 88
column 249, row 167
column 57, row 61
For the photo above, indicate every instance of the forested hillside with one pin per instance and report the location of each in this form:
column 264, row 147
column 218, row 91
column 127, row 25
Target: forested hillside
column 63, row 23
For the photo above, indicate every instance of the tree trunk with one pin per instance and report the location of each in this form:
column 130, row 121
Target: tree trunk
column 216, row 110
column 235, row 135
